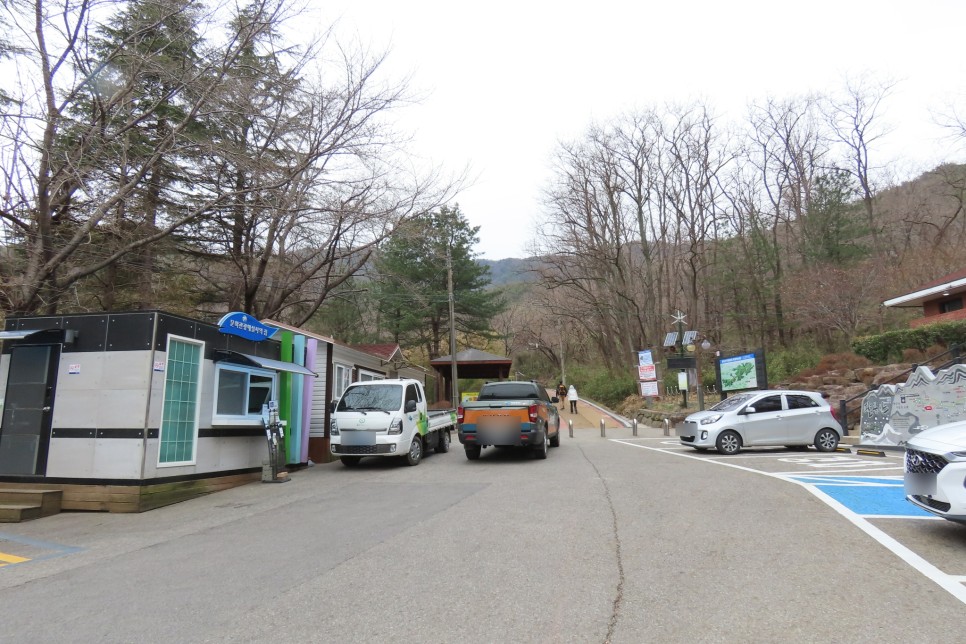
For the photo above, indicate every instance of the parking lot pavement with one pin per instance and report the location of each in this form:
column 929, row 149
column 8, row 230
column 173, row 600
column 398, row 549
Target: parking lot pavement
column 18, row 549
column 864, row 488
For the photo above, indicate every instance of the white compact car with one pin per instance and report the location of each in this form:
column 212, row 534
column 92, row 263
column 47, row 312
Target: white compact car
column 935, row 478
column 771, row 417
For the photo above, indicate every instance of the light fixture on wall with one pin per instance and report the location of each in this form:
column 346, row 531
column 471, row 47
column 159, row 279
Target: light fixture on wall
column 946, row 292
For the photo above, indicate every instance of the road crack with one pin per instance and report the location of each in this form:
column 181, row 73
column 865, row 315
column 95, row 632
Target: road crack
column 619, row 594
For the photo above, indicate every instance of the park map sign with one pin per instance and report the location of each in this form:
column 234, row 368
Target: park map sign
column 738, row 372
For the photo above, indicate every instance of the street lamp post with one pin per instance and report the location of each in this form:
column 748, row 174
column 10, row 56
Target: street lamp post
column 704, row 346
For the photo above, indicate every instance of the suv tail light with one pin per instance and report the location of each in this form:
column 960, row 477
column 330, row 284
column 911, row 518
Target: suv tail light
column 459, row 414
column 835, row 414
column 534, row 413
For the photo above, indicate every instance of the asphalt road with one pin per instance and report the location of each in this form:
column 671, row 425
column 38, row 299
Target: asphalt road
column 605, row 541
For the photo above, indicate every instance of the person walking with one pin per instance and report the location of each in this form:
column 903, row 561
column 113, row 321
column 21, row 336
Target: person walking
column 562, row 394
column 572, row 397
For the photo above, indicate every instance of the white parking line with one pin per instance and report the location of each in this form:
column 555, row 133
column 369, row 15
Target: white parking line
column 838, row 471
column 951, row 584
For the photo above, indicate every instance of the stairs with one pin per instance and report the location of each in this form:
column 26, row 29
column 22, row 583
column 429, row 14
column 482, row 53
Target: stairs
column 22, row 504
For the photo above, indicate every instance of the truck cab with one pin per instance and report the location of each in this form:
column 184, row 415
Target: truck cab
column 387, row 418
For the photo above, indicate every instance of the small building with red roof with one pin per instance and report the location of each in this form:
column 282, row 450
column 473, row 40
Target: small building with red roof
column 941, row 300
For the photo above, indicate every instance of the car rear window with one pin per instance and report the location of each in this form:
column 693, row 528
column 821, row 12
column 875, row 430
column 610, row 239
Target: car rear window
column 800, row 401
column 508, row 391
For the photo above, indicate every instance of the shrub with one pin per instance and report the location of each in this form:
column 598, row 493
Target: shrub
column 889, row 346
column 783, row 364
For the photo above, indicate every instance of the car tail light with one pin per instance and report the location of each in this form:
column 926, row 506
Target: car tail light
column 459, row 414
column 835, row 414
column 534, row 413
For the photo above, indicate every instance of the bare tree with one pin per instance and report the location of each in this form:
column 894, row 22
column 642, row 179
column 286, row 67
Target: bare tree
column 855, row 119
column 97, row 170
column 786, row 146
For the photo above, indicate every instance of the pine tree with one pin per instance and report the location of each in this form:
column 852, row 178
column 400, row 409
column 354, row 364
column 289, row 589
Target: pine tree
column 413, row 292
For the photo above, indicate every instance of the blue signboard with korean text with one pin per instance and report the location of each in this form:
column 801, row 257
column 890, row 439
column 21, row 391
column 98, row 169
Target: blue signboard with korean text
column 245, row 326
column 741, row 372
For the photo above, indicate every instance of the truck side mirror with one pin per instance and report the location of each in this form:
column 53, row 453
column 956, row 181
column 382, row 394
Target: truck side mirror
column 410, row 406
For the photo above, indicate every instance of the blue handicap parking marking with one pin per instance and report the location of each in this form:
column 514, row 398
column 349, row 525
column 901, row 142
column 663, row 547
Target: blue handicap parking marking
column 866, row 495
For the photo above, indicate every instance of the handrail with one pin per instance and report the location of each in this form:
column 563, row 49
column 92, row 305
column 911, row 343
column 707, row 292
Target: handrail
column 844, row 411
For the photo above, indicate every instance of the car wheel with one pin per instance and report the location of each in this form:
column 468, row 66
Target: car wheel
column 472, row 452
column 415, row 451
column 555, row 439
column 728, row 442
column 826, row 440
column 540, row 451
column 350, row 461
column 442, row 444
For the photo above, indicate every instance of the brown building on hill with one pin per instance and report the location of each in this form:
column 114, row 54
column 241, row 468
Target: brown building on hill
column 941, row 300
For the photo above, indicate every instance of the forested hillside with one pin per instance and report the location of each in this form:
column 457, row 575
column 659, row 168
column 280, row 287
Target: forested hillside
column 780, row 233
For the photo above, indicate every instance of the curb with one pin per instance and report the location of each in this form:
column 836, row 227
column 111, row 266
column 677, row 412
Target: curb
column 607, row 412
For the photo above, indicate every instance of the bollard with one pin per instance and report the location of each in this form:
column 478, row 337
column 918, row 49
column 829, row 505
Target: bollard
column 634, row 427
column 667, row 427
column 570, row 423
column 603, row 434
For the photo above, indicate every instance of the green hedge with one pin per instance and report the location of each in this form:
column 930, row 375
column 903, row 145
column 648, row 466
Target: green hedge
column 888, row 347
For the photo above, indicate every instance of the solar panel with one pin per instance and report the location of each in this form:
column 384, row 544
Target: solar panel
column 671, row 339
column 689, row 337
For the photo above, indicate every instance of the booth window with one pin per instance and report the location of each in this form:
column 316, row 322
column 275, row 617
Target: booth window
column 343, row 378
column 182, row 390
column 366, row 376
column 240, row 392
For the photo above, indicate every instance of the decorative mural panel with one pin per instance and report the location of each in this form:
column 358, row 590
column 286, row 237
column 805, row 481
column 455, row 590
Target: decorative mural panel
column 893, row 414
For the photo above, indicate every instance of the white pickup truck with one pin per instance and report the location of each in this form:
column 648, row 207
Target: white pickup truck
column 387, row 418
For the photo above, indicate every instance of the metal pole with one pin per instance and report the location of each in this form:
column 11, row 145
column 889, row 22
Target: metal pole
column 667, row 427
column 603, row 434
column 634, row 426
column 697, row 367
column 452, row 328
column 563, row 368
column 570, row 423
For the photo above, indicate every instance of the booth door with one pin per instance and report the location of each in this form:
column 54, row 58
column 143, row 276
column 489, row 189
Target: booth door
column 25, row 429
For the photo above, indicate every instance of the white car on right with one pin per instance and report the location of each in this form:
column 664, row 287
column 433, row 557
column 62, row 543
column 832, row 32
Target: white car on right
column 935, row 471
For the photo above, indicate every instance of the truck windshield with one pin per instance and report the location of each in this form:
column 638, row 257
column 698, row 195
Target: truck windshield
column 371, row 398
column 508, row 391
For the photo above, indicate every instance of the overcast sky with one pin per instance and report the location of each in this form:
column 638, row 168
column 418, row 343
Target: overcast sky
column 504, row 82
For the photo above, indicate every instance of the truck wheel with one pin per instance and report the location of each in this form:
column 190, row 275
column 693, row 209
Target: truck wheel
column 472, row 452
column 540, row 452
column 415, row 451
column 350, row 461
column 442, row 443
